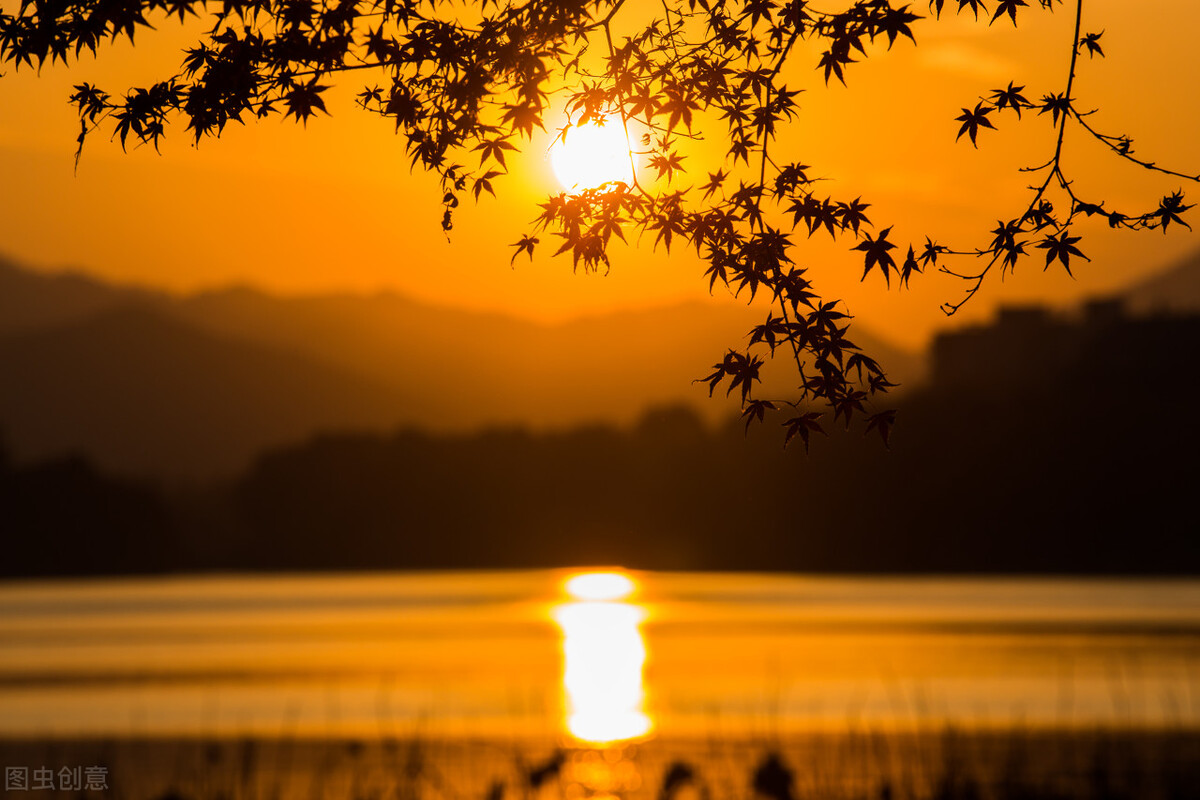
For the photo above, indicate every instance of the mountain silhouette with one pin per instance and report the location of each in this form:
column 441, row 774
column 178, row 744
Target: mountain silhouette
column 143, row 394
column 1175, row 289
column 124, row 374
column 486, row 369
column 33, row 300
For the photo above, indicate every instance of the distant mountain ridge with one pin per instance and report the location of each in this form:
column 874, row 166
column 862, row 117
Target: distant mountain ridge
column 153, row 384
column 1175, row 289
column 144, row 394
column 32, row 300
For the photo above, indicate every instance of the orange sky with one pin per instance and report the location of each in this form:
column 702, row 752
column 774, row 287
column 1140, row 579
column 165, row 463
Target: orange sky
column 335, row 207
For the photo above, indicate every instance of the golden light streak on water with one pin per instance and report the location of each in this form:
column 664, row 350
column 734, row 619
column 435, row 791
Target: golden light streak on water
column 603, row 658
column 600, row 586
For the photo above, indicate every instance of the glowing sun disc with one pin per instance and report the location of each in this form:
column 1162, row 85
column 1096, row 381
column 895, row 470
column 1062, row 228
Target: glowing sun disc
column 591, row 155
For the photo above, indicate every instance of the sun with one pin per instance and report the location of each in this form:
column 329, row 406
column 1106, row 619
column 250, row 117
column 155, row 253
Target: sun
column 587, row 156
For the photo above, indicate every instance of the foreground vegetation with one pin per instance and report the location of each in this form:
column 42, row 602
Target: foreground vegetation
column 949, row 764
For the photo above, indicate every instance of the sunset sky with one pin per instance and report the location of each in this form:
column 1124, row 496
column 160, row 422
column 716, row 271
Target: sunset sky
column 334, row 206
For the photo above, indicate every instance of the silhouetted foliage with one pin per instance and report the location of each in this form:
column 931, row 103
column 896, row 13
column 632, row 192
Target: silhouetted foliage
column 66, row 519
column 773, row 779
column 464, row 85
column 1050, row 484
column 1061, row 488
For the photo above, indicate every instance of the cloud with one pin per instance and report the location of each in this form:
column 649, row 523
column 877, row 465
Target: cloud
column 963, row 59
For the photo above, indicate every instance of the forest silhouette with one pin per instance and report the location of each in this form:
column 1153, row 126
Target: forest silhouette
column 1016, row 456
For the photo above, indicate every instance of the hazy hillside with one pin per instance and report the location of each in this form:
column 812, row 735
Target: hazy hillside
column 29, row 300
column 197, row 385
column 143, row 394
column 483, row 369
column 1175, row 289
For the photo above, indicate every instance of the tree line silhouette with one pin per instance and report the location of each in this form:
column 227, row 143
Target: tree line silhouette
column 1016, row 457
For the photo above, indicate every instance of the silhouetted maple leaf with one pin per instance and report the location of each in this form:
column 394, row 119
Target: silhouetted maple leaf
column 1042, row 215
column 715, row 179
column 770, row 332
column 524, row 245
column 1005, row 242
column 755, row 410
column 852, row 215
column 930, row 252
column 484, row 183
column 1056, row 104
column 1061, row 247
column 895, row 23
column 877, row 253
column 803, row 426
column 1010, row 97
column 975, row 5
column 910, row 266
column 1169, row 209
column 305, row 100
column 667, row 164
column 1007, row 7
column 972, row 121
column 882, row 422
column 494, row 148
column 1092, row 42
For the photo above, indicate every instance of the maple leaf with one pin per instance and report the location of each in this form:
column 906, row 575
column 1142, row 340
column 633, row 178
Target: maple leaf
column 771, row 332
column 668, row 164
column 756, row 410
column 524, row 245
column 895, row 23
column 1006, row 242
column 859, row 361
column 882, row 422
column 744, row 372
column 1061, row 247
column 494, row 149
column 484, row 183
column 929, row 254
column 668, row 223
column 910, row 266
column 816, row 213
column 680, row 107
column 833, row 65
column 717, row 269
column 1056, row 104
column 715, row 179
column 976, row 6
column 972, row 121
column 877, row 253
column 846, row 405
column 1092, row 42
column 852, row 214
column 1169, row 209
column 305, row 100
column 1042, row 216
column 803, row 426
column 1008, row 7
column 522, row 117
column 742, row 368
column 1010, row 97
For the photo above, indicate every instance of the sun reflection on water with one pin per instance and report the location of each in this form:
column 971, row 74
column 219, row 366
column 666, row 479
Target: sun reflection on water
column 604, row 654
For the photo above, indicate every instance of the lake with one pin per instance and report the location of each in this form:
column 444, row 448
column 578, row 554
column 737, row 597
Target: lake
column 523, row 660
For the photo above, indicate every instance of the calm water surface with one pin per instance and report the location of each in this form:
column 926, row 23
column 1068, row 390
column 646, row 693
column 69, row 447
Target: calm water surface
column 484, row 654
